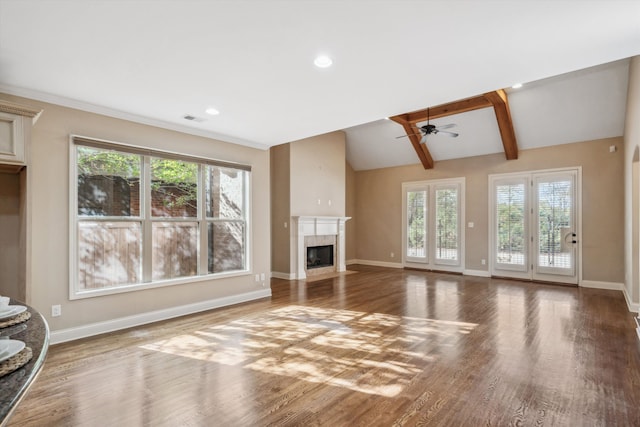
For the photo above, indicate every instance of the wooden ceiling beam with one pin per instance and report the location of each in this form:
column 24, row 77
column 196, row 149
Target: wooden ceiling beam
column 413, row 133
column 457, row 107
column 500, row 104
column 496, row 99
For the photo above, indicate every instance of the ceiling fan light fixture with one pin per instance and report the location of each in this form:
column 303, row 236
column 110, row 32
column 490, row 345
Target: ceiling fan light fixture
column 323, row 61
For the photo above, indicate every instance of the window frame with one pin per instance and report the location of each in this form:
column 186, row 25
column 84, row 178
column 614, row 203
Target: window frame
column 146, row 220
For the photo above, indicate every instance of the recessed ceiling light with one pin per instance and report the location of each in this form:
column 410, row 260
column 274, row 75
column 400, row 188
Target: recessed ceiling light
column 517, row 86
column 323, row 61
column 212, row 111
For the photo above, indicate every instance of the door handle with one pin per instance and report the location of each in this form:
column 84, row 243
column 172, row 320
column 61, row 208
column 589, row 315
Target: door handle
column 572, row 236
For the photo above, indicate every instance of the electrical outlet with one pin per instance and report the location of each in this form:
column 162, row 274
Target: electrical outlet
column 483, row 262
column 56, row 310
column 262, row 276
column 392, row 254
column 257, row 277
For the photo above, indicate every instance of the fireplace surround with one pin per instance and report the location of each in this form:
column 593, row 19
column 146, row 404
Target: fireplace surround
column 310, row 231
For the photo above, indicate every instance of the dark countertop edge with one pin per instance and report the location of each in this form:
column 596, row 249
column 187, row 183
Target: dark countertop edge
column 38, row 364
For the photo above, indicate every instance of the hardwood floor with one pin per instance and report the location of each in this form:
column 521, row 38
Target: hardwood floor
column 379, row 347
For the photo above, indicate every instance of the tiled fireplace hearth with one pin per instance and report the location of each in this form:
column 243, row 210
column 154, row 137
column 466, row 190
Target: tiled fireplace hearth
column 312, row 231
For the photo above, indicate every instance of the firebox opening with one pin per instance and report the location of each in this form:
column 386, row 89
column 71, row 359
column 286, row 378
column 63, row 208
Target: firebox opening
column 319, row 256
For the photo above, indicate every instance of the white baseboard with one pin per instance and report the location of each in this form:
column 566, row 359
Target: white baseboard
column 378, row 263
column 477, row 273
column 70, row 334
column 634, row 307
column 351, row 261
column 284, row 276
column 613, row 286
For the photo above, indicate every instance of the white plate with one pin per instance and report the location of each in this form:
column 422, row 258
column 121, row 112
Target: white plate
column 9, row 348
column 13, row 310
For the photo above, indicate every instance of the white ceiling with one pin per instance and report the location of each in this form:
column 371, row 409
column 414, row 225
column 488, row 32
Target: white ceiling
column 155, row 61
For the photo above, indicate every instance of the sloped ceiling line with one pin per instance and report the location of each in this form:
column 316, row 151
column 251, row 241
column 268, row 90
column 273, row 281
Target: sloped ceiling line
column 496, row 99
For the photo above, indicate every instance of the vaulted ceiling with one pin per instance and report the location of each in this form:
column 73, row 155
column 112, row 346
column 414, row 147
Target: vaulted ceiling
column 157, row 62
column 579, row 106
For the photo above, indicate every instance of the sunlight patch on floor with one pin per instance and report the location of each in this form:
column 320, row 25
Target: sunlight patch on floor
column 372, row 353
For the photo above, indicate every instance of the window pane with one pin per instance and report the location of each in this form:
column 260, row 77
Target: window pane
column 510, row 224
column 109, row 254
column 225, row 193
column 447, row 224
column 554, row 223
column 226, row 246
column 175, row 250
column 416, row 217
column 174, row 188
column 108, row 182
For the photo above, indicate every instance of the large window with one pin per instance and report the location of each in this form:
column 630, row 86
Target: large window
column 143, row 218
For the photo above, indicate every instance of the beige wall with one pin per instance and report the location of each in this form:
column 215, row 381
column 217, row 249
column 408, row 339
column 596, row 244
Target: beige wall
column 351, row 242
column 379, row 203
column 318, row 175
column 48, row 203
column 9, row 234
column 313, row 171
column 280, row 208
column 633, row 281
column 631, row 144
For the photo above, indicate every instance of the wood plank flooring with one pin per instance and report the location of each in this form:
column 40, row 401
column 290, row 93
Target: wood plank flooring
column 379, row 347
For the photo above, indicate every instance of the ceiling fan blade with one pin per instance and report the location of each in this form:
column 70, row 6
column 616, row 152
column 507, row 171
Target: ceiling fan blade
column 404, row 136
column 447, row 133
column 449, row 126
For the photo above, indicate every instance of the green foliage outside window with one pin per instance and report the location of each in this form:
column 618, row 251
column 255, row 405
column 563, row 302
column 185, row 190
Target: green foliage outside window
column 415, row 220
column 166, row 173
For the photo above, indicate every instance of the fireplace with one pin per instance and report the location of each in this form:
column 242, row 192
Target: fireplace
column 311, row 232
column 319, row 256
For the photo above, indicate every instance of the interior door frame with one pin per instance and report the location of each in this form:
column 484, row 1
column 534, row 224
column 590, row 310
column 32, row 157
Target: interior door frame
column 529, row 274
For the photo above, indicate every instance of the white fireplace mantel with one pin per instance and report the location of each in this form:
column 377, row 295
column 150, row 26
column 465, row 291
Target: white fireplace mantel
column 317, row 226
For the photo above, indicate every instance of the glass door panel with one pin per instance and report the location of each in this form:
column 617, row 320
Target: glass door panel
column 511, row 238
column 416, row 223
column 447, row 225
column 555, row 225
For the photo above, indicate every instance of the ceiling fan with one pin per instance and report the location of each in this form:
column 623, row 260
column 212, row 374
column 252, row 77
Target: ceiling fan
column 430, row 129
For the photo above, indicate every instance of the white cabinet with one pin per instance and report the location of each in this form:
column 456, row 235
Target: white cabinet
column 15, row 132
column 12, row 139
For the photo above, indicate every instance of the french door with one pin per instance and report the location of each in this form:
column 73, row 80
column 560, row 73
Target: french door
column 535, row 225
column 433, row 235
